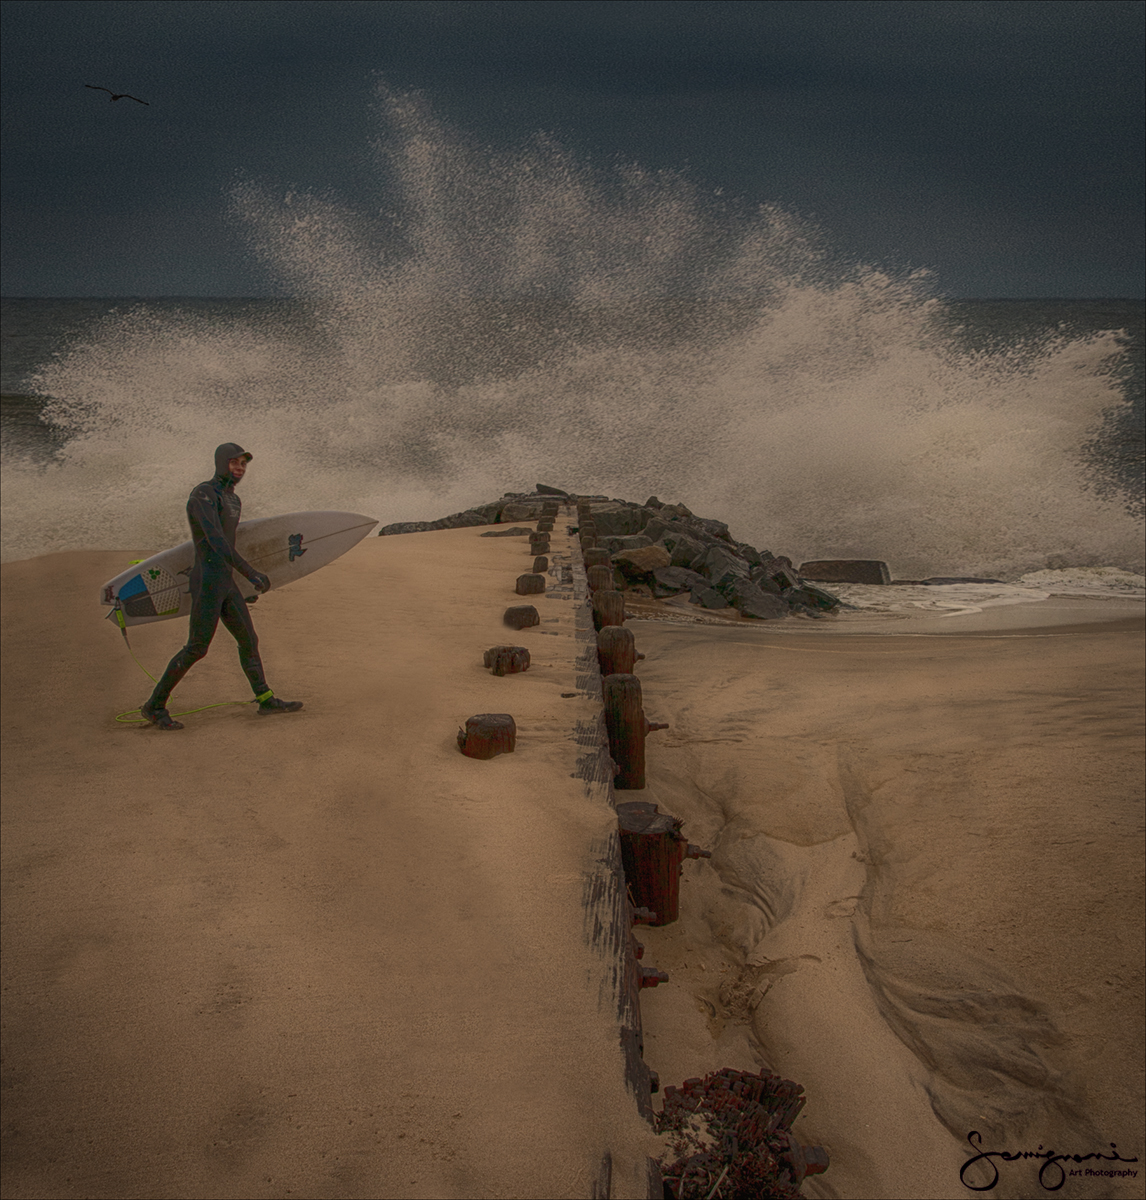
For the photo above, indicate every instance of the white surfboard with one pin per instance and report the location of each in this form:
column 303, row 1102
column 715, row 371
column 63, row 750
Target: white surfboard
column 284, row 548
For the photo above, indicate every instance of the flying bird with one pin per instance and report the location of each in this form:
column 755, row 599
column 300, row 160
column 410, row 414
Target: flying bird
column 121, row 96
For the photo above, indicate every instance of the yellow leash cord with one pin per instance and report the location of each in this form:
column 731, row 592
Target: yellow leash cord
column 127, row 718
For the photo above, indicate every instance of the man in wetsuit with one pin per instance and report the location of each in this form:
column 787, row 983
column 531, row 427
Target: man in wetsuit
column 213, row 512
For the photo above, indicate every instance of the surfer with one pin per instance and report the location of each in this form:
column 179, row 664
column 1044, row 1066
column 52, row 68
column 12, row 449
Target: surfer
column 213, row 512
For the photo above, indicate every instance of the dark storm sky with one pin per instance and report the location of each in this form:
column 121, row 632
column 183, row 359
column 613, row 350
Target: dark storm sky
column 998, row 143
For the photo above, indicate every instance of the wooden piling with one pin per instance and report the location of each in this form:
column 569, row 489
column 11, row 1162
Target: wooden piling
column 529, row 585
column 488, row 735
column 608, row 608
column 625, row 720
column 652, row 852
column 599, row 578
column 521, row 616
column 506, row 660
column 616, row 650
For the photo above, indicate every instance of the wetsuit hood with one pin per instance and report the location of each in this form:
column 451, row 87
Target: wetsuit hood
column 223, row 456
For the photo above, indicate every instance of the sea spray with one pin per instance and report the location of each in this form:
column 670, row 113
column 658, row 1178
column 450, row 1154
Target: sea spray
column 505, row 316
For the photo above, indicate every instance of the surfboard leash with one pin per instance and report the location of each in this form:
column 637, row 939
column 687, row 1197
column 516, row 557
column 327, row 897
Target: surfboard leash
column 133, row 716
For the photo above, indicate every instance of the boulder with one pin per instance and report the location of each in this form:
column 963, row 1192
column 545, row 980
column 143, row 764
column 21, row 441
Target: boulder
column 619, row 520
column 614, row 544
column 754, row 602
column 708, row 598
column 721, row 567
column 807, row 596
column 405, row 527
column 656, row 528
column 669, row 581
column 492, row 511
column 545, row 490
column 471, row 516
column 846, row 570
column 715, row 529
column 527, row 509
column 777, row 570
column 642, row 562
column 515, row 531
column 684, row 551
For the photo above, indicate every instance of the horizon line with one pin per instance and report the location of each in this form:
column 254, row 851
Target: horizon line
column 198, row 296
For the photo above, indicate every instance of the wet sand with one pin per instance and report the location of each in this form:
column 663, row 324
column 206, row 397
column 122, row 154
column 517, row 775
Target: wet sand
column 321, row 954
column 925, row 901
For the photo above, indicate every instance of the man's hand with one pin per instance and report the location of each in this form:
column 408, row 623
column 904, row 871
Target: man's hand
column 261, row 582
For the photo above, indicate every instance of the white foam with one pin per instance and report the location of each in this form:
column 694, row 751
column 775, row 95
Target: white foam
column 948, row 599
column 835, row 416
column 1089, row 581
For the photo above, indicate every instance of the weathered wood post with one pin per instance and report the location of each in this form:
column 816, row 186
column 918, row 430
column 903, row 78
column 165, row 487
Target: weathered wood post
column 608, row 608
column 616, row 650
column 529, row 585
column 597, row 556
column 521, row 616
column 539, row 543
column 627, row 728
column 487, row 735
column 506, row 660
column 545, row 525
column 652, row 851
column 599, row 578
column 540, row 565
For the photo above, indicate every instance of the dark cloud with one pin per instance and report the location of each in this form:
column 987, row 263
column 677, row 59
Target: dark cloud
column 999, row 142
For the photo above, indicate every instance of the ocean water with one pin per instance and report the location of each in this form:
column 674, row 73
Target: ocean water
column 507, row 318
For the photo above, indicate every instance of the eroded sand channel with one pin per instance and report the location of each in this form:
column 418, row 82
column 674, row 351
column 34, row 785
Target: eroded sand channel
column 925, row 896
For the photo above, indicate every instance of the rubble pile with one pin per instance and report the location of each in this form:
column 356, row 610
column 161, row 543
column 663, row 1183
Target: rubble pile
column 729, row 1134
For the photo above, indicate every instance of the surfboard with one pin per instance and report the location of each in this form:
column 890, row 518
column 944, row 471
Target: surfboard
column 284, row 548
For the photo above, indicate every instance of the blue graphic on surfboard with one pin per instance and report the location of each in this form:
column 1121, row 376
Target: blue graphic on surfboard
column 284, row 548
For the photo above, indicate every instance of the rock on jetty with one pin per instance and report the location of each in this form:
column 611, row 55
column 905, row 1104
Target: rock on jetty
column 668, row 549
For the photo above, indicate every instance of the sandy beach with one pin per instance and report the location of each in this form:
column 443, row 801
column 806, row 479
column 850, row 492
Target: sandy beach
column 926, row 891
column 327, row 955
column 321, row 954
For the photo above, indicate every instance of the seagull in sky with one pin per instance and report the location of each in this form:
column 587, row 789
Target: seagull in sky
column 121, row 96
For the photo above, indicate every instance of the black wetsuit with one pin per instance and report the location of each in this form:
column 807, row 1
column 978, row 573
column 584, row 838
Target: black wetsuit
column 213, row 512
